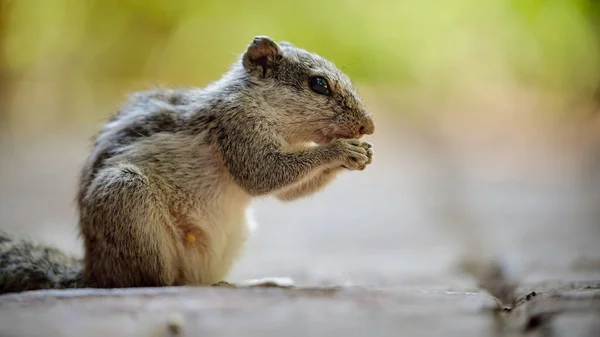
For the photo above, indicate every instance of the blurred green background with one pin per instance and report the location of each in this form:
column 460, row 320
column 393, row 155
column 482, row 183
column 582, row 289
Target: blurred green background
column 72, row 61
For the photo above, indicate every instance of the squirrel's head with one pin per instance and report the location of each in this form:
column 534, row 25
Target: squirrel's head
column 312, row 99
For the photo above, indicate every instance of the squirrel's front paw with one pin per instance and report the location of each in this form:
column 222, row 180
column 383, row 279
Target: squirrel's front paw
column 354, row 154
column 370, row 152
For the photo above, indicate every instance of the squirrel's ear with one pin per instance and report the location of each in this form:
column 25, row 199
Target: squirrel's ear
column 262, row 54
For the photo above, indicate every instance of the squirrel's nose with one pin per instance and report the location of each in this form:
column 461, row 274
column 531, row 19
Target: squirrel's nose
column 368, row 127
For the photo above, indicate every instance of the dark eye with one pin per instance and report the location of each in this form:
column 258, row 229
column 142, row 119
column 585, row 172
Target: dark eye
column 319, row 85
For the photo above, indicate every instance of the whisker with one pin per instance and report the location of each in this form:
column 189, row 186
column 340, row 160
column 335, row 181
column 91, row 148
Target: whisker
column 346, row 66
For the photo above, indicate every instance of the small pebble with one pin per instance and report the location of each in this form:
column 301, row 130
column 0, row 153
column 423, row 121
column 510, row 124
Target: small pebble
column 176, row 322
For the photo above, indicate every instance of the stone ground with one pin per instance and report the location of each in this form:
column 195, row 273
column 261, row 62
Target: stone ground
column 429, row 241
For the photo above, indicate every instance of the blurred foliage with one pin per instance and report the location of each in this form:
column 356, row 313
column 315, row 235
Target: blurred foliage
column 76, row 43
column 377, row 40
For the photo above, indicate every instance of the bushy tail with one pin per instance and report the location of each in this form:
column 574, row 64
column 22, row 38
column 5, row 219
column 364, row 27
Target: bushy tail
column 26, row 266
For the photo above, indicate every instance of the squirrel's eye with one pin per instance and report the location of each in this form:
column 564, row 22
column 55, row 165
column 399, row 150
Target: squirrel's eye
column 319, row 85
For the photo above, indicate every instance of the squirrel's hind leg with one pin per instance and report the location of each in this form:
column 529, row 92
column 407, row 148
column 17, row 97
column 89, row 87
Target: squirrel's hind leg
column 126, row 231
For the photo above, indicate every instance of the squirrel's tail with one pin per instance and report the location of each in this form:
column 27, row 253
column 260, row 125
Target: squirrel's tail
column 26, row 266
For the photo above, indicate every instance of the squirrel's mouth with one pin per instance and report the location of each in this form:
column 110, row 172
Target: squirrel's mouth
column 322, row 139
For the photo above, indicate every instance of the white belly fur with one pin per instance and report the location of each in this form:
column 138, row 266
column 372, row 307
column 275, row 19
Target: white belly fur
column 205, row 263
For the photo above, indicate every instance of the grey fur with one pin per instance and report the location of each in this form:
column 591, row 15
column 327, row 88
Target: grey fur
column 173, row 163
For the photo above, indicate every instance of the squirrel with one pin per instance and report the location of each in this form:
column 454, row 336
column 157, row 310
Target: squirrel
column 163, row 198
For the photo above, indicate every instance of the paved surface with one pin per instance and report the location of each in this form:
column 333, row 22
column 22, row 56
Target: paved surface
column 254, row 312
column 431, row 240
column 559, row 309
